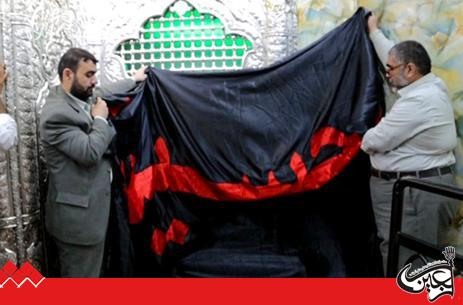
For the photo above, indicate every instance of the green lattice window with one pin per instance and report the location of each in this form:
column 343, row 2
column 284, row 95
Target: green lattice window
column 184, row 39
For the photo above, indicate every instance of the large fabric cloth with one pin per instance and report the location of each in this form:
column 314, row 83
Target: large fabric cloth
column 195, row 148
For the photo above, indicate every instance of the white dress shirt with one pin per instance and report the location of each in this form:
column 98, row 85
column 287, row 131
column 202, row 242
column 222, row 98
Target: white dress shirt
column 419, row 131
column 8, row 132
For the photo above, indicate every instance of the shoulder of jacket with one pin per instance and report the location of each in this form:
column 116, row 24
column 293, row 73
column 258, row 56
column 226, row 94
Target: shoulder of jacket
column 56, row 99
column 425, row 92
column 56, row 108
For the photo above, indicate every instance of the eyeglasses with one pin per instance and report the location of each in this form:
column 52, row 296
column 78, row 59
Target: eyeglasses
column 390, row 68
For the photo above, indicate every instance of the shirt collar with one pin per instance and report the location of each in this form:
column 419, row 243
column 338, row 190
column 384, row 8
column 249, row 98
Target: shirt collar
column 425, row 79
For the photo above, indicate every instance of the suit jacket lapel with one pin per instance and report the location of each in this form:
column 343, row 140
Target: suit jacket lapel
column 79, row 111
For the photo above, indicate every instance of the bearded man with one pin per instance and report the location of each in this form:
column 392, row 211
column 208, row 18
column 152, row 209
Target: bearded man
column 416, row 139
column 75, row 135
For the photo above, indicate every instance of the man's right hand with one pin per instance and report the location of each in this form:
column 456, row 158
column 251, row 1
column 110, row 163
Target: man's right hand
column 3, row 76
column 100, row 108
column 2, row 107
column 372, row 23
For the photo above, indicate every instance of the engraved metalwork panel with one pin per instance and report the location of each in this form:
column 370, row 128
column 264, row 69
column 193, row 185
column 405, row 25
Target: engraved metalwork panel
column 34, row 34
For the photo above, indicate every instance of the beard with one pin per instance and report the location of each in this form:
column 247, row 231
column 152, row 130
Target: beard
column 80, row 92
column 400, row 82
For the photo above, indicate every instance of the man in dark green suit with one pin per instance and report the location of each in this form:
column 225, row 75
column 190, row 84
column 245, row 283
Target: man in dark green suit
column 75, row 136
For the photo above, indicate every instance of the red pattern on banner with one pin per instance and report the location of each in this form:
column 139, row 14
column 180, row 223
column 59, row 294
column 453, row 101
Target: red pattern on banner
column 158, row 242
column 176, row 233
column 114, row 110
column 177, row 178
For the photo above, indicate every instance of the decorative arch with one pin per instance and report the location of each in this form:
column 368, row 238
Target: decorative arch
column 187, row 40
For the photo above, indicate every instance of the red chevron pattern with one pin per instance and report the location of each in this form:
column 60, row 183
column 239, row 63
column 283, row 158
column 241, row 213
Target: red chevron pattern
column 15, row 277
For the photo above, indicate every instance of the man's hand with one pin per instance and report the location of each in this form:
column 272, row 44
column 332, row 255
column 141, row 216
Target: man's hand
column 100, row 108
column 372, row 23
column 2, row 107
column 140, row 74
column 3, row 77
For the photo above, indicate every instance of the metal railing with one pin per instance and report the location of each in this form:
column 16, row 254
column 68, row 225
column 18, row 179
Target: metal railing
column 398, row 238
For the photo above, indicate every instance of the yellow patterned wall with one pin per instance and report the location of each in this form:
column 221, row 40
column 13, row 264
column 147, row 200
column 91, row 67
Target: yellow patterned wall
column 438, row 25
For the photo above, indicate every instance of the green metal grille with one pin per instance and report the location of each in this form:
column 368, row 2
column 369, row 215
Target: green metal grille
column 187, row 41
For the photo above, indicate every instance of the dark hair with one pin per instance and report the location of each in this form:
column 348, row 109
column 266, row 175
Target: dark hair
column 72, row 58
column 411, row 51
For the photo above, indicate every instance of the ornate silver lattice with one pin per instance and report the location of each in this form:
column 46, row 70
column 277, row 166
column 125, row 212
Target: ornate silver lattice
column 185, row 39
